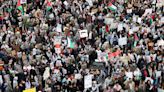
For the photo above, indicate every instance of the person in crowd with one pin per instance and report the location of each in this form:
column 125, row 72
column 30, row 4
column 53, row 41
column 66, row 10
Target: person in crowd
column 82, row 45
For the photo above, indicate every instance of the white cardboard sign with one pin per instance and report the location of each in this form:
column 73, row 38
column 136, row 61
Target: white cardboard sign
column 129, row 74
column 23, row 1
column 122, row 41
column 83, row 33
column 57, row 40
column 58, row 50
column 59, row 28
column 90, row 2
column 87, row 81
column 108, row 20
column 120, row 27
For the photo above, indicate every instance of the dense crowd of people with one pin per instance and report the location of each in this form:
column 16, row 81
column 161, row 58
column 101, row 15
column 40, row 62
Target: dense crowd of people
column 56, row 45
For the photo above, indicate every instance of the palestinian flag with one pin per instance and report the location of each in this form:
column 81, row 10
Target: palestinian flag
column 112, row 7
column 58, row 48
column 151, row 21
column 1, row 19
column 107, row 28
column 106, row 56
column 19, row 7
column 136, row 37
column 70, row 44
column 49, row 4
column 135, row 43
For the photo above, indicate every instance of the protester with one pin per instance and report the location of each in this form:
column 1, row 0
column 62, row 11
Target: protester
column 82, row 45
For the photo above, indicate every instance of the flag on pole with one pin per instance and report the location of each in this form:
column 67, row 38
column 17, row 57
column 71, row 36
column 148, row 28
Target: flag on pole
column 112, row 7
column 49, row 4
column 70, row 44
column 19, row 7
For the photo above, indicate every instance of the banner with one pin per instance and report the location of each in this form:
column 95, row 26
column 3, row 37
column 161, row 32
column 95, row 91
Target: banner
column 122, row 41
column 88, row 81
column 83, row 33
column 23, row 1
column 30, row 90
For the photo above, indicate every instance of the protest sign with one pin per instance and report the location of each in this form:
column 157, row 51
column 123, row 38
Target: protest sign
column 90, row 2
column 150, row 79
column 4, row 28
column 65, row 3
column 134, row 29
column 158, row 74
column 126, row 26
column 129, row 74
column 46, row 73
column 162, row 20
column 23, row 1
column 160, row 42
column 139, row 20
column 120, row 27
column 57, row 40
column 83, row 33
column 148, row 11
column 129, row 10
column 93, row 11
column 113, row 25
column 30, row 90
column 108, row 20
column 160, row 3
column 59, row 28
column 77, row 76
column 134, row 19
column 122, row 41
column 57, row 48
column 88, row 81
